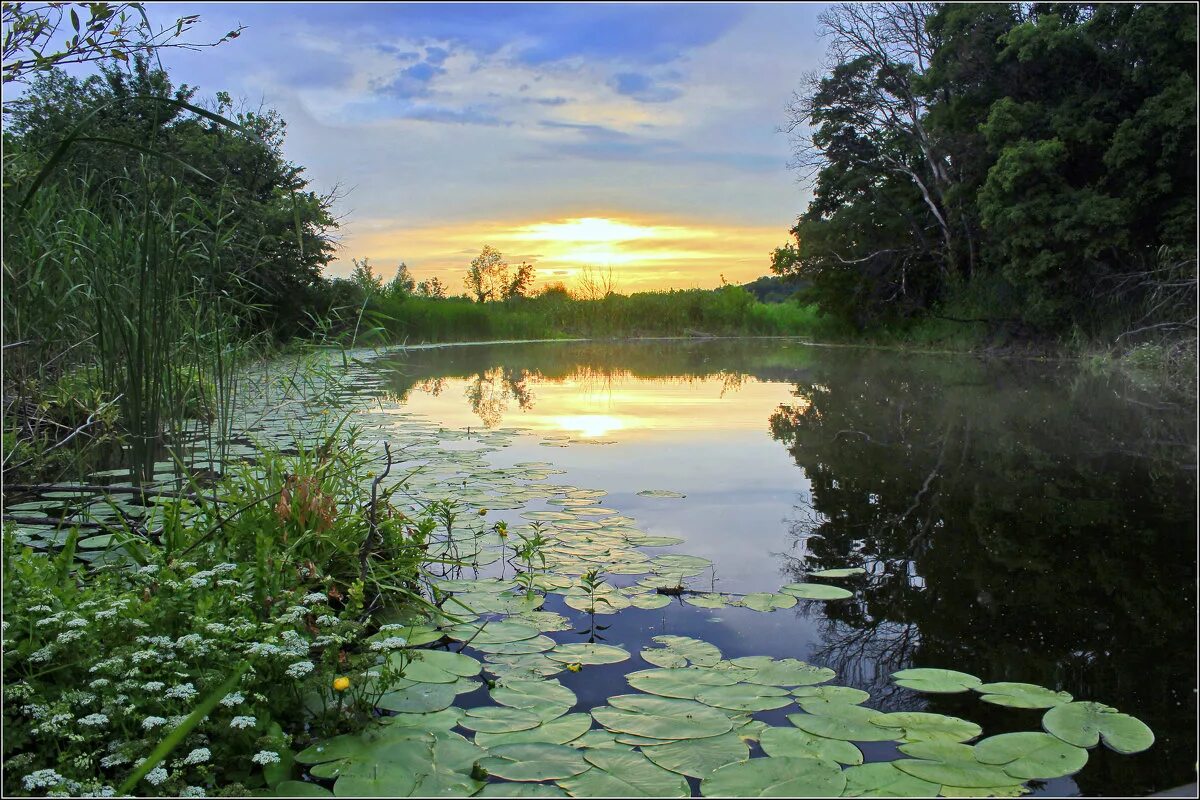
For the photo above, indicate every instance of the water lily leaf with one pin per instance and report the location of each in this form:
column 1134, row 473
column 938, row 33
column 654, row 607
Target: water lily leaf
column 745, row 697
column 584, row 653
column 832, row 694
column 650, row 601
column 499, row 719
column 1015, row 790
column 538, row 644
column 816, row 591
column 545, row 621
column 435, row 720
column 958, row 772
column 420, row 698
column 660, row 493
column 942, row 681
column 661, row 717
column 537, row 761
column 767, row 601
column 618, row 773
column 608, row 603
column 844, row 572
column 939, row 750
column 1021, row 695
column 432, row 666
column 699, row 757
column 919, row 726
column 645, row 540
column 684, row 682
column 1031, row 755
column 705, row 600
column 502, row 632
column 521, row 790
column 776, row 777
column 640, row 741
column 678, row 564
column 680, row 651
column 597, row 738
column 785, row 672
column 784, row 742
column 555, row 731
column 847, row 725
column 1083, row 724
column 547, row 699
column 301, row 789
column 884, row 780
column 533, row 666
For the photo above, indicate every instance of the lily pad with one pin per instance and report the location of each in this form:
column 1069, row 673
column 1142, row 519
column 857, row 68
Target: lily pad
column 776, row 777
column 705, row 600
column 681, row 651
column 745, row 697
column 1083, row 724
column 501, row 632
column 1021, row 695
column 521, row 790
column 852, row 724
column 625, row 773
column 940, row 681
column 882, row 779
column 661, row 717
column 584, row 653
column 832, row 694
column 547, row 699
column 919, row 726
column 784, row 742
column 499, row 719
column 816, row 591
column 844, row 572
column 957, row 772
column 419, row 698
column 1031, row 755
column 534, row 762
column 767, row 601
column 650, row 601
column 699, row 757
column 555, row 731
column 784, row 672
column 660, row 493
column 684, row 682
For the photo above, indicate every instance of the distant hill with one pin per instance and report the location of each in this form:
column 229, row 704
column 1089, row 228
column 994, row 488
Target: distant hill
column 773, row 289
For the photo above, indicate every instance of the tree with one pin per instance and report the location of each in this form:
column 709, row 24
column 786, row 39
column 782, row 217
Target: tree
column 403, row 284
column 520, row 283
column 432, row 288
column 487, row 277
column 104, row 31
column 363, row 276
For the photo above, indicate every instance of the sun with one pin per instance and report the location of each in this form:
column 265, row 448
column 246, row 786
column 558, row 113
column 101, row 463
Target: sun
column 590, row 425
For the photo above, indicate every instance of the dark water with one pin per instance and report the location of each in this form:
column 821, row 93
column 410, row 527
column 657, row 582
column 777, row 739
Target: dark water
column 1019, row 521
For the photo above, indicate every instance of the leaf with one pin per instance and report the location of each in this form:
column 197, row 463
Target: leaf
column 547, row 699
column 831, row 694
column 783, row 742
column 816, row 591
column 685, row 682
column 555, row 731
column 534, row 762
column 681, row 651
column 846, row 725
column 660, row 493
column 745, row 697
column 1083, row 724
column 698, row 757
column 502, row 632
column 705, row 600
column 942, row 681
column 583, row 653
column 919, row 726
column 785, row 672
column 1021, row 695
column 967, row 774
column 420, row 698
column 619, row 773
column 766, row 601
column 776, row 777
column 1031, row 755
column 499, row 719
column 301, row 789
column 884, row 780
column 661, row 717
column 521, row 790
column 844, row 572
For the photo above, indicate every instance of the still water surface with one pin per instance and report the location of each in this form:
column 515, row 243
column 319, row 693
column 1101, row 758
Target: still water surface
column 1018, row 521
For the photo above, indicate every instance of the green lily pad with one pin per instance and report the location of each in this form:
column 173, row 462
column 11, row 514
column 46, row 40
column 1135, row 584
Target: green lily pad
column 547, row 699
column 538, row 644
column 681, row 651
column 882, row 779
column 598, row 738
column 705, row 600
column 941, row 681
column 679, row 564
column 699, row 757
column 501, row 632
column 521, row 790
column 852, row 724
column 958, row 772
column 533, row 666
column 1083, row 724
column 939, row 750
column 792, row 742
column 420, row 698
column 499, row 719
column 1021, row 695
column 844, row 572
column 555, row 731
column 584, row 653
column 745, row 697
column 438, row 666
column 621, row 773
column 816, row 591
column 660, row 493
column 661, row 717
column 919, row 726
column 784, row 672
column 1016, row 790
column 650, row 601
column 301, row 789
column 534, row 762
column 832, row 694
column 766, row 601
column 776, row 777
column 1031, row 755
column 683, row 682
column 445, row 719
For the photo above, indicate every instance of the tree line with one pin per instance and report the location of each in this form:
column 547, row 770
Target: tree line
column 1032, row 164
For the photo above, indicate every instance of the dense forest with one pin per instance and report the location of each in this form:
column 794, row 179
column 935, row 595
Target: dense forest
column 1030, row 166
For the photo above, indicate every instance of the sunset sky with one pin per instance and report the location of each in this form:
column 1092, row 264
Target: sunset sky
column 641, row 138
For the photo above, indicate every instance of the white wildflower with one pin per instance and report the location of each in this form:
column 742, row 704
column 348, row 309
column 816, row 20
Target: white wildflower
column 150, row 723
column 326, row 620
column 156, row 776
column 193, row 791
column 149, row 569
column 184, row 691
column 197, row 756
column 314, row 597
column 238, row 723
column 94, row 720
column 107, row 614
column 216, row 628
column 390, row 643
column 42, row 779
column 265, row 757
column 78, row 622
column 221, row 569
column 44, row 654
column 154, row 686
column 232, row 699
column 39, row 609
column 66, row 637
column 114, row 760
column 300, row 669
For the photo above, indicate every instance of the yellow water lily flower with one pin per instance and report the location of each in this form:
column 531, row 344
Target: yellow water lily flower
column 574, row 667
column 341, row 683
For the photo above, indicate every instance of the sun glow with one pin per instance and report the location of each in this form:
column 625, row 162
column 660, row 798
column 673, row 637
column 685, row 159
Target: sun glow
column 590, row 425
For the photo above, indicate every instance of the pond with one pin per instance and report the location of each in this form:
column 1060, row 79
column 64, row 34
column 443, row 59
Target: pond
column 1017, row 521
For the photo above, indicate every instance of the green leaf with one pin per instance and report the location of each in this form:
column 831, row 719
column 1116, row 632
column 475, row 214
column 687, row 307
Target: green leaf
column 420, row 698
column 967, row 774
column 681, row 651
column 502, row 632
column 884, row 780
column 534, row 762
column 660, row 493
column 661, row 717
column 776, row 777
column 852, row 724
column 784, row 742
column 1021, row 695
column 547, row 699
column 919, row 726
column 698, row 757
column 943, row 681
column 766, row 601
column 1083, row 724
column 621, row 773
column 499, row 719
column 705, row 600
column 1031, row 755
column 785, row 672
column 301, row 789
column 816, row 591
column 521, row 790
column 583, row 653
column 745, row 697
column 555, row 731
column 844, row 572
column 685, row 682
column 831, row 694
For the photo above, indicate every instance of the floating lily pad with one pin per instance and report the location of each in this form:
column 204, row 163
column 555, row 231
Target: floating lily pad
column 941, row 681
column 884, row 780
column 745, row 697
column 537, row 761
column 555, row 731
column 301, row 789
column 1015, row 790
column 784, row 742
column 661, row 717
column 430, row 666
column 957, row 772
column 784, row 672
column 776, row 777
column 419, row 698
column 705, row 600
column 1083, row 724
column 584, row 653
column 852, row 724
column 499, row 719
column 521, row 790
column 919, row 726
column 543, row 698
column 538, row 644
column 661, row 493
column 939, row 750
column 766, row 601
column 699, row 757
column 683, row 682
column 618, row 773
column 532, row 666
column 501, row 632
column 1021, row 695
column 816, row 591
column 832, row 694
column 681, row 651
column 650, row 601
column 1031, row 755
column 844, row 572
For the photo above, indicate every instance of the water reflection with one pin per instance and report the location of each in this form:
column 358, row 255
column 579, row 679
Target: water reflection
column 1019, row 521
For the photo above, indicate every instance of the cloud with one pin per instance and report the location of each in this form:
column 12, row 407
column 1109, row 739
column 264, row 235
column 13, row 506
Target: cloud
column 643, row 88
column 411, row 81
